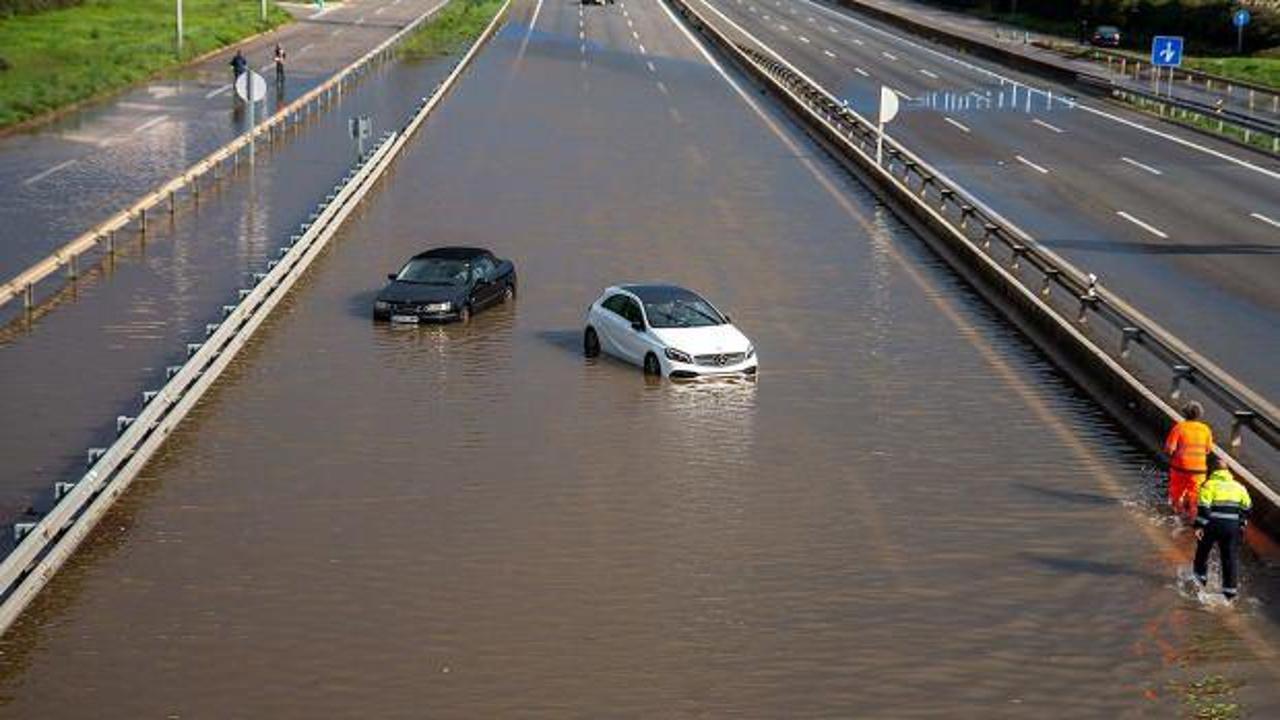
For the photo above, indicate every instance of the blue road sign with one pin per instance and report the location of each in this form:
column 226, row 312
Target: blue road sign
column 1166, row 51
column 1241, row 18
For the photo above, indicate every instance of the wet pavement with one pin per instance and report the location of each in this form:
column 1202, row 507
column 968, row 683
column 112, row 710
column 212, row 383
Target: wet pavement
column 64, row 177
column 911, row 514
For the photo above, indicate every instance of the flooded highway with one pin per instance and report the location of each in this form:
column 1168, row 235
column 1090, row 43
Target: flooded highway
column 910, row 514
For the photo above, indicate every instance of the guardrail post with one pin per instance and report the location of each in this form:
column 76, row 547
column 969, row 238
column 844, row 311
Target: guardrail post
column 987, row 231
column 1046, row 285
column 22, row 529
column 173, row 202
column 142, row 221
column 73, row 267
column 28, row 297
column 60, row 489
column 1180, row 373
column 93, row 455
column 123, row 422
column 192, row 349
column 1087, row 301
column 172, row 370
column 1128, row 335
column 1240, row 419
column 148, row 396
column 1015, row 259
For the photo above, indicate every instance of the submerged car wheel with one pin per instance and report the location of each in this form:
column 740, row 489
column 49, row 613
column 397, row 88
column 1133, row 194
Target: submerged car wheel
column 651, row 365
column 590, row 343
column 464, row 315
column 509, row 293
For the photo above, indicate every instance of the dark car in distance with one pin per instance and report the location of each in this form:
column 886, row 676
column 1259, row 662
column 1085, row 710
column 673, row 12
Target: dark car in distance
column 1106, row 36
column 445, row 284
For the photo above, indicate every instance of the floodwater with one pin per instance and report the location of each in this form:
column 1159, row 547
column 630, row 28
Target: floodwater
column 910, row 514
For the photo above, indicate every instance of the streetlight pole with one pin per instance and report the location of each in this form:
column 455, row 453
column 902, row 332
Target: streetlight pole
column 264, row 10
column 179, row 4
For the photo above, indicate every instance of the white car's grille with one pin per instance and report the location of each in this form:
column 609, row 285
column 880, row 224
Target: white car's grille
column 719, row 359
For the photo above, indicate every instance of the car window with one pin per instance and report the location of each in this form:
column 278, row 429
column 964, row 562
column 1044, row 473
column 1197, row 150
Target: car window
column 682, row 312
column 616, row 304
column 433, row 271
column 631, row 310
column 484, row 268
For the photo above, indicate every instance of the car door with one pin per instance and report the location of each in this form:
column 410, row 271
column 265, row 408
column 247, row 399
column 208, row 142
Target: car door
column 481, row 288
column 635, row 343
column 611, row 324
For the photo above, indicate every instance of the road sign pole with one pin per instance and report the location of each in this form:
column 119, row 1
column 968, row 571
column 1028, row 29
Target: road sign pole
column 251, row 104
column 264, row 10
column 1239, row 39
column 179, row 28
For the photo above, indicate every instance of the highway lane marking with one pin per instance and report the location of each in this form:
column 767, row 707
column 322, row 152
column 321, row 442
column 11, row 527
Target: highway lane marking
column 629, row 23
column 856, row 41
column 151, row 123
column 662, row 88
column 804, row 39
column 1033, row 166
column 380, row 10
column 649, row 64
column 219, row 91
column 643, row 51
column 635, row 34
column 1092, row 110
column 861, row 72
column 1047, row 126
column 957, row 124
column 1270, row 221
column 829, row 53
column 675, row 115
column 889, row 55
column 338, row 32
column 783, row 28
column 42, row 175
column 305, row 48
column 582, row 35
column 1144, row 166
column 528, row 32
column 928, row 74
column 360, row 20
column 1145, row 226
column 903, row 95
column 832, row 29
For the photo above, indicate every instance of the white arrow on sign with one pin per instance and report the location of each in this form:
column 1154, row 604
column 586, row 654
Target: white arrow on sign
column 250, row 80
column 1168, row 53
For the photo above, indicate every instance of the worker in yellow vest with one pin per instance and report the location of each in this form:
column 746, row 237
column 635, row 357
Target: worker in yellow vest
column 1221, row 516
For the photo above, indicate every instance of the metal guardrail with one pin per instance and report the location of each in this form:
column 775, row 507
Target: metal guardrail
column 1255, row 96
column 103, row 234
column 1223, row 121
column 1088, row 313
column 45, row 545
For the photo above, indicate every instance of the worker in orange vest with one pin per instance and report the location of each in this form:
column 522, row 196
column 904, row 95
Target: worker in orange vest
column 1188, row 446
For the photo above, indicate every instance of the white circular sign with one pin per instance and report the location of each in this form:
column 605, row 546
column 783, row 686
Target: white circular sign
column 250, row 80
column 888, row 104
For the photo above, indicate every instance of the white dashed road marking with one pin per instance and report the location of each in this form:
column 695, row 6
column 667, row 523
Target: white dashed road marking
column 219, row 91
column 151, row 123
column 862, row 72
column 1033, row 166
column 60, row 166
column 889, row 55
column 1270, row 221
column 953, row 122
column 928, row 74
column 1143, row 166
column 829, row 54
column 1045, row 125
column 1149, row 228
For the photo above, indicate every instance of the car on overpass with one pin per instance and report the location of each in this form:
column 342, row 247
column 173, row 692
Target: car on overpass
column 667, row 330
column 1106, row 36
column 445, row 284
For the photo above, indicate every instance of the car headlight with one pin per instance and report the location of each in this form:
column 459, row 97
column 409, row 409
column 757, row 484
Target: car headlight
column 381, row 305
column 751, row 351
column 439, row 307
column 679, row 356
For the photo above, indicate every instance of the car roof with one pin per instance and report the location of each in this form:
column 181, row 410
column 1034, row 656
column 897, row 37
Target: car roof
column 454, row 253
column 660, row 292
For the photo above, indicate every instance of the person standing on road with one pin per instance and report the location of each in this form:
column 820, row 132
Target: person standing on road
column 279, row 65
column 1188, row 445
column 239, row 65
column 1222, row 513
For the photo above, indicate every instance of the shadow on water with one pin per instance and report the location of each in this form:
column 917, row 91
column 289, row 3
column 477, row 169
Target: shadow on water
column 1080, row 498
column 1080, row 566
column 361, row 304
column 1117, row 247
column 569, row 341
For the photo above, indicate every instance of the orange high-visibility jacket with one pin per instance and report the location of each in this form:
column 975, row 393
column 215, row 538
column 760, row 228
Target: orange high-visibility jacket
column 1188, row 445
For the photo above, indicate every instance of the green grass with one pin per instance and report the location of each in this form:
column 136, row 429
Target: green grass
column 1258, row 70
column 56, row 58
column 451, row 30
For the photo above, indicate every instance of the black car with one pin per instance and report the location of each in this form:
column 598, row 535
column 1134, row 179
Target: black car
column 1106, row 36
column 445, row 284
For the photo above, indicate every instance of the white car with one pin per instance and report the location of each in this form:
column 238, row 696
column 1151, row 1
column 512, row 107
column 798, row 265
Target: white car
column 668, row 331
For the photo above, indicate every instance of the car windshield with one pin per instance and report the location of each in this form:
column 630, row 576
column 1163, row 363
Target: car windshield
column 1108, row 30
column 434, row 271
column 681, row 313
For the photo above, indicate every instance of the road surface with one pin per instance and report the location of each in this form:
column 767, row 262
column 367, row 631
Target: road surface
column 1189, row 232
column 64, row 177
column 473, row 521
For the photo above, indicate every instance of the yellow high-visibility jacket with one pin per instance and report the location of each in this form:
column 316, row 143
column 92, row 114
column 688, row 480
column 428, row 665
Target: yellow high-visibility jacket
column 1223, row 499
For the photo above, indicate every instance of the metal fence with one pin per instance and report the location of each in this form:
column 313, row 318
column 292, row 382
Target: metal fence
column 165, row 198
column 1142, row 361
column 43, row 546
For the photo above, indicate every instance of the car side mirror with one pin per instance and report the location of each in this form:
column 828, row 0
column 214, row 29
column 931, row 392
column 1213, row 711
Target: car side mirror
column 638, row 326
column 391, row 276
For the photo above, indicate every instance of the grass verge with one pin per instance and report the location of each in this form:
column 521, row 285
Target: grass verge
column 1211, row 125
column 1257, row 70
column 54, row 59
column 451, row 30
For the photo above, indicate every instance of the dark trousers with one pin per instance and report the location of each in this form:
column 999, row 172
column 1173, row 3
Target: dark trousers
column 1227, row 536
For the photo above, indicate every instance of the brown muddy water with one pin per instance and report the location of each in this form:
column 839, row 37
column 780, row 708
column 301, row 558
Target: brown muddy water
column 911, row 514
